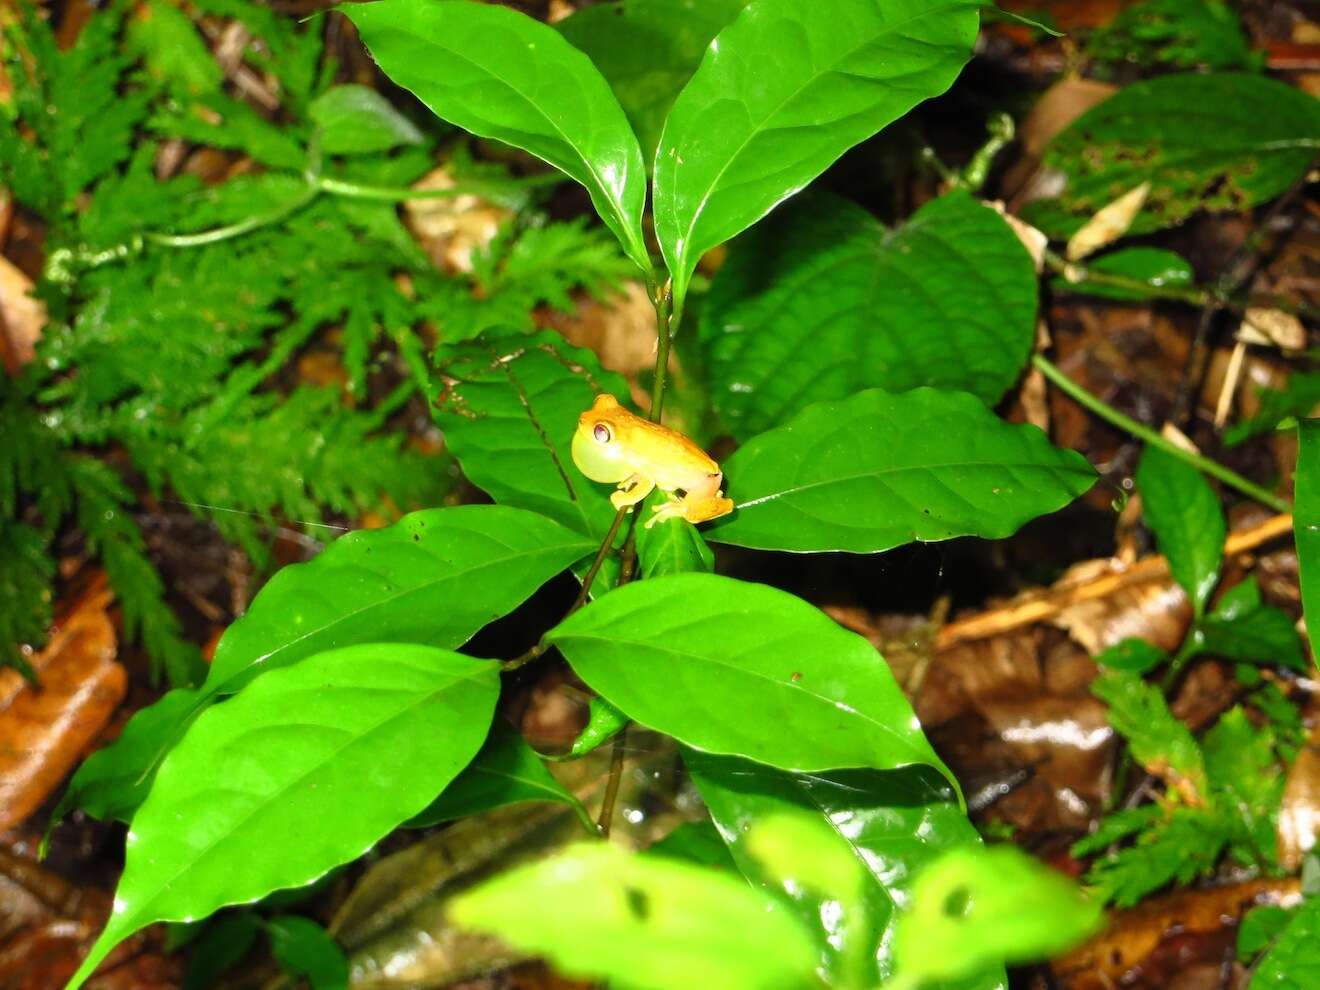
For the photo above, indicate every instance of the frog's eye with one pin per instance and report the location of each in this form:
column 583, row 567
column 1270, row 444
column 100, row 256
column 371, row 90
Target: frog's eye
column 601, row 433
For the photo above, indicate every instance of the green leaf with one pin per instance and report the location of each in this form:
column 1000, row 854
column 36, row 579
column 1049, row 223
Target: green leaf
column 671, row 547
column 1135, row 656
column 113, row 782
column 870, row 472
column 979, row 907
column 648, row 50
column 1159, row 742
column 1260, row 927
column 1174, row 846
column 1261, row 635
column 509, row 408
column 435, row 577
column 604, row 722
column 1183, row 511
column 820, row 302
column 172, row 49
column 506, row 771
column 696, row 842
column 646, row 922
column 1174, row 33
column 827, row 75
column 221, row 945
column 713, row 661
column 356, row 120
column 894, row 822
column 1204, row 142
column 1306, row 524
column 1278, row 407
column 1152, row 269
column 1246, row 782
column 1294, row 961
column 499, row 74
column 299, row 773
column 304, row 948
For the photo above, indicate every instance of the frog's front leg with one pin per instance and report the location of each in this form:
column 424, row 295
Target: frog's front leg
column 702, row 501
column 632, row 490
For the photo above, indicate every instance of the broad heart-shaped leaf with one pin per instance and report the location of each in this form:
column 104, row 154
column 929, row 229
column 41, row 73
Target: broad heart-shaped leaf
column 820, row 302
column 1183, row 511
column 649, row 922
column 879, row 470
column 783, row 91
column 435, row 577
column 894, row 822
column 302, row 771
column 1306, row 523
column 506, row 771
column 509, row 408
column 1222, row 141
column 975, row 907
column 648, row 50
column 742, row 669
column 500, row 74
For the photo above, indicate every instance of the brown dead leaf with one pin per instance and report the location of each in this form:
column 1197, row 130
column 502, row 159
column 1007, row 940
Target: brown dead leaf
column 1272, row 327
column 44, row 732
column 1146, row 945
column 1109, row 223
column 1058, row 107
column 22, row 317
column 453, row 229
column 1299, row 812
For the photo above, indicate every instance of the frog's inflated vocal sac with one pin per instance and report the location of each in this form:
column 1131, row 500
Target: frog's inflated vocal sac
column 611, row 444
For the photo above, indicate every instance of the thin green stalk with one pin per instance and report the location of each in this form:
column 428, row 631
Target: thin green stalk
column 229, row 231
column 398, row 194
column 1112, row 416
column 666, row 325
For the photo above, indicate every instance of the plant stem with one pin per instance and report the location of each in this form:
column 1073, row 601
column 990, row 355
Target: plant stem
column 398, row 194
column 606, row 818
column 1111, row 415
column 666, row 325
column 217, row 234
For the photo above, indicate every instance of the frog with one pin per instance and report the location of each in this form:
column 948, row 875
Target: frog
column 614, row 445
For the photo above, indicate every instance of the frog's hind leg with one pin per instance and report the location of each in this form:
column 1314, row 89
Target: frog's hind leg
column 631, row 491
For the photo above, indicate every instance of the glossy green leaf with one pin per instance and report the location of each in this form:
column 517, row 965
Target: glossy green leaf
column 304, row 770
column 782, row 92
column 1293, row 963
column 509, row 408
column 648, row 50
column 1306, row 523
column 1222, row 141
column 671, row 547
column 893, row 822
column 303, row 948
column 714, row 662
column 604, row 722
column 112, row 782
column 1183, row 511
column 499, row 74
column 878, row 470
column 357, row 120
column 695, row 842
column 506, row 771
column 1143, row 271
column 1135, row 656
column 435, row 577
column 820, row 302
column 976, row 907
column 647, row 922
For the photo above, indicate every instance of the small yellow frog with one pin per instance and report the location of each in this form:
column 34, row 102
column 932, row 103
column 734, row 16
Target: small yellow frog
column 611, row 444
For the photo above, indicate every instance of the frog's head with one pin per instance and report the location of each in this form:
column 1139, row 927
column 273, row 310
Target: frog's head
column 599, row 449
